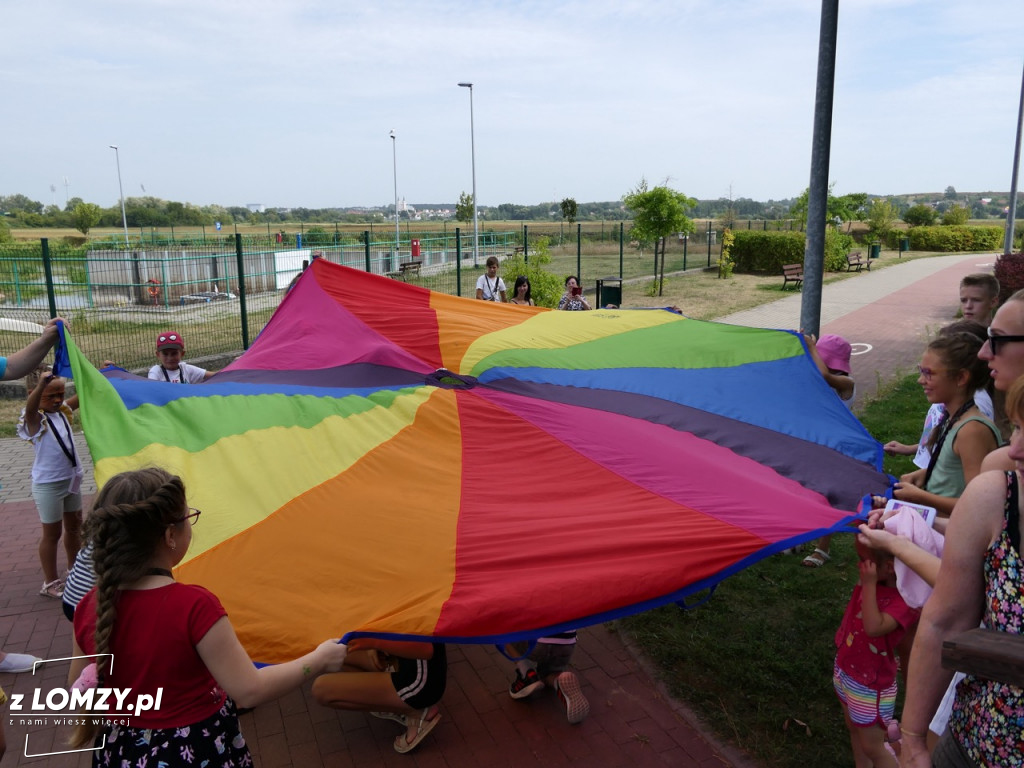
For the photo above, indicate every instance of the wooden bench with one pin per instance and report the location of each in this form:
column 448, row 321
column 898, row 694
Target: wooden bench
column 517, row 251
column 856, row 261
column 792, row 273
column 406, row 268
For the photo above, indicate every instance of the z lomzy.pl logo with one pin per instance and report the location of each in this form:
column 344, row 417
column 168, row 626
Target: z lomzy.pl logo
column 97, row 705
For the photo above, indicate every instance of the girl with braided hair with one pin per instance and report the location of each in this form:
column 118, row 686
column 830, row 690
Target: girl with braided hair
column 951, row 373
column 169, row 640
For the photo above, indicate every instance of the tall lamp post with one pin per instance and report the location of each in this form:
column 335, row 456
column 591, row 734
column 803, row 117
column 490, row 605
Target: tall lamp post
column 472, row 149
column 394, row 166
column 120, row 188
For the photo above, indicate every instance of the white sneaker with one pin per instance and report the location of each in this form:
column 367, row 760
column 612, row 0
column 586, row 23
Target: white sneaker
column 18, row 662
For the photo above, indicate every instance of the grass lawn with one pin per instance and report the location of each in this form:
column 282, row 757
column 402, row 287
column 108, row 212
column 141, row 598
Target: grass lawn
column 755, row 661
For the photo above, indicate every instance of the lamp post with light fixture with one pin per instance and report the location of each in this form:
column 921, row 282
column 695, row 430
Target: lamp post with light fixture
column 472, row 148
column 394, row 166
column 120, row 189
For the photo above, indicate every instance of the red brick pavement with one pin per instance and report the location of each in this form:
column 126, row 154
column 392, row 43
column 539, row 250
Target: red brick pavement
column 898, row 326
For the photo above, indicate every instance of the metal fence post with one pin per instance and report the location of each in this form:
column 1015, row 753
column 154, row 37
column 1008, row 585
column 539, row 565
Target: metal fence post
column 366, row 239
column 622, row 244
column 709, row 244
column 458, row 262
column 526, row 246
column 241, row 290
column 579, row 253
column 48, row 269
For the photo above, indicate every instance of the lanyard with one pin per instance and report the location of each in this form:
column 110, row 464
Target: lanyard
column 944, row 428
column 181, row 376
column 69, row 449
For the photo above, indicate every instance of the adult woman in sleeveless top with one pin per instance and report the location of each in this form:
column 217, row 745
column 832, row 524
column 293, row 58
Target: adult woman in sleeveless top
column 950, row 372
column 979, row 580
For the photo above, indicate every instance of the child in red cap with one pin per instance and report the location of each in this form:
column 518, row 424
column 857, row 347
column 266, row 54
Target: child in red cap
column 170, row 347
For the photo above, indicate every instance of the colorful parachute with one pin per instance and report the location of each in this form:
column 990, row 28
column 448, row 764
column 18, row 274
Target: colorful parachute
column 389, row 460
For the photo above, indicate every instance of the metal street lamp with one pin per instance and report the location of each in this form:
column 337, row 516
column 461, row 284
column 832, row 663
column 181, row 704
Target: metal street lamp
column 394, row 165
column 472, row 147
column 124, row 218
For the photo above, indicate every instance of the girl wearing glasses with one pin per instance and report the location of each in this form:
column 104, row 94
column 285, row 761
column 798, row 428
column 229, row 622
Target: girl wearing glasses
column 950, row 373
column 172, row 641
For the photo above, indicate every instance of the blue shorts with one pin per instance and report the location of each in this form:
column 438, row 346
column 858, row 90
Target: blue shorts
column 54, row 500
column 866, row 706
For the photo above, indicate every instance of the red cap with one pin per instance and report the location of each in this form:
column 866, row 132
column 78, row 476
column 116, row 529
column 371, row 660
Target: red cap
column 169, row 340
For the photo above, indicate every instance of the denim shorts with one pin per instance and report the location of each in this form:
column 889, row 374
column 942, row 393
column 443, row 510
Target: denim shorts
column 54, row 500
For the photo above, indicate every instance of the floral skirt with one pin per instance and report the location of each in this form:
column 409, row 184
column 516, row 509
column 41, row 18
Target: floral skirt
column 215, row 741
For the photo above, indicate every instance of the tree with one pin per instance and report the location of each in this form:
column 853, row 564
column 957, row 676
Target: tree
column 956, row 215
column 86, row 216
column 920, row 215
column 569, row 210
column 70, row 207
column 950, row 193
column 15, row 203
column 881, row 218
column 657, row 213
column 845, row 208
column 464, row 208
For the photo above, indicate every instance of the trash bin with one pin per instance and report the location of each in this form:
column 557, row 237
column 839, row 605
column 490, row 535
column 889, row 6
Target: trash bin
column 904, row 245
column 414, row 247
column 874, row 250
column 608, row 294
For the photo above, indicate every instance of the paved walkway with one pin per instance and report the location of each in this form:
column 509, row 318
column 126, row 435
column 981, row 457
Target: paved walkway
column 886, row 314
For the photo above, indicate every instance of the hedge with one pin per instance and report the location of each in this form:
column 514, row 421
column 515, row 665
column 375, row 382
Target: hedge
column 767, row 252
column 953, row 239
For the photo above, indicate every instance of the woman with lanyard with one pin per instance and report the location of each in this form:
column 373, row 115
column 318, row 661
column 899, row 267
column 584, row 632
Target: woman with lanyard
column 950, row 372
column 56, row 475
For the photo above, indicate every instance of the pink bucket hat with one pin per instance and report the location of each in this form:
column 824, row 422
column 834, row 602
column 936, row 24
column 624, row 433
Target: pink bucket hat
column 835, row 352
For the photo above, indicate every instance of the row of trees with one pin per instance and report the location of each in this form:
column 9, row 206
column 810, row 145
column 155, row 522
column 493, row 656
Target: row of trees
column 21, row 211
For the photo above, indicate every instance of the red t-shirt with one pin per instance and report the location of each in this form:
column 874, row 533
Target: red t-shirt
column 154, row 645
column 872, row 660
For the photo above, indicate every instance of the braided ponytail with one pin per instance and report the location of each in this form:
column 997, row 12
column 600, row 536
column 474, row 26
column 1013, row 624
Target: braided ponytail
column 125, row 527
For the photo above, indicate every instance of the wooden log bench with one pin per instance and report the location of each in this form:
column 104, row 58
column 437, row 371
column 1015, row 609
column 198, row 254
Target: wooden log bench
column 855, row 262
column 792, row 273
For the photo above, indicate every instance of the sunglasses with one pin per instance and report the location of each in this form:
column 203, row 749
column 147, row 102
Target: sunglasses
column 996, row 342
column 164, row 339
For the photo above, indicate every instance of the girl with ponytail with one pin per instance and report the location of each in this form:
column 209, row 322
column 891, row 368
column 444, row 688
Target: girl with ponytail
column 169, row 640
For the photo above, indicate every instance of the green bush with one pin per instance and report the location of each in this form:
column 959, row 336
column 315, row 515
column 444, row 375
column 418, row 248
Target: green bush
column 955, row 239
column 545, row 288
column 766, row 252
column 920, row 215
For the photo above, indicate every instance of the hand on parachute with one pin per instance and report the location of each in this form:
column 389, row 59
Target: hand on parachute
column 330, row 655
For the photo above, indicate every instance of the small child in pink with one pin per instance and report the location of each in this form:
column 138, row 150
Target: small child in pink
column 865, row 669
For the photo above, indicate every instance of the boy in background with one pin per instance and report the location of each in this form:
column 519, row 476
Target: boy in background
column 979, row 296
column 170, row 348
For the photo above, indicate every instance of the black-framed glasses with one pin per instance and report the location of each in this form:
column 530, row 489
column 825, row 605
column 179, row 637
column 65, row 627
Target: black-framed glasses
column 192, row 517
column 997, row 341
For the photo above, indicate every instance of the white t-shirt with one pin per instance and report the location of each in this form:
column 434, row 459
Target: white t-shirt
column 982, row 399
column 492, row 289
column 51, row 464
column 193, row 374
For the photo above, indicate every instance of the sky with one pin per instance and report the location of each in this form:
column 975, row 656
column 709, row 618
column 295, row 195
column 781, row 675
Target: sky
column 290, row 104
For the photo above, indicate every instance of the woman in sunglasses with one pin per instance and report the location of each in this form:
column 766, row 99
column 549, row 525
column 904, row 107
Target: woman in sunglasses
column 173, row 642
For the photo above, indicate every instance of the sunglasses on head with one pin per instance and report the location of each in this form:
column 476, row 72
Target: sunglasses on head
column 997, row 341
column 170, row 337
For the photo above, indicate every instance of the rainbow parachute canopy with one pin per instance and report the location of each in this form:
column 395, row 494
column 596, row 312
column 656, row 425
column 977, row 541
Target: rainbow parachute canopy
column 393, row 461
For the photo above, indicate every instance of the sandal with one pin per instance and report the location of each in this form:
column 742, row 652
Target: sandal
column 423, row 727
column 816, row 559
column 54, row 589
column 401, row 719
